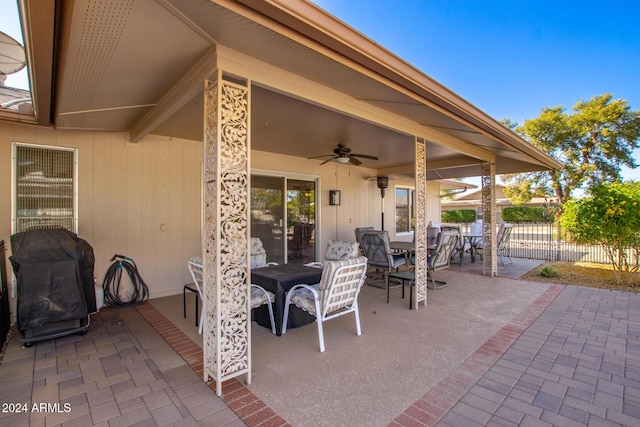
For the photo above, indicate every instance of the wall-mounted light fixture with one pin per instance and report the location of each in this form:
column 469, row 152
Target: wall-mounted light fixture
column 334, row 197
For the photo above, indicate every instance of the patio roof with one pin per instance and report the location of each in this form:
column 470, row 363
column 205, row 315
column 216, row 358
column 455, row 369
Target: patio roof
column 316, row 82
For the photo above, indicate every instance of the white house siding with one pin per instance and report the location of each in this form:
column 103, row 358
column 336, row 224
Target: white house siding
column 126, row 192
column 143, row 200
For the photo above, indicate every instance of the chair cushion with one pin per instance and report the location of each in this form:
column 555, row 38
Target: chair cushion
column 303, row 298
column 258, row 297
column 337, row 249
column 398, row 260
column 258, row 254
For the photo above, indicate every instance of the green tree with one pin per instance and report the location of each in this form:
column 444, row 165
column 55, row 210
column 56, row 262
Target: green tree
column 610, row 216
column 592, row 144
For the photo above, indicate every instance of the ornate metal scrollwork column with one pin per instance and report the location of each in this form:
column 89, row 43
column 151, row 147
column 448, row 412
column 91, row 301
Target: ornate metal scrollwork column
column 421, row 222
column 227, row 329
column 490, row 246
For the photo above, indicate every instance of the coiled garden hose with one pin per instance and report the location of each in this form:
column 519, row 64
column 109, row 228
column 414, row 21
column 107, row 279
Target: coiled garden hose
column 112, row 287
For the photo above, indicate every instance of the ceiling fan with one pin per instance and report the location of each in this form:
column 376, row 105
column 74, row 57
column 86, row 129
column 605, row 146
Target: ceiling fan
column 342, row 154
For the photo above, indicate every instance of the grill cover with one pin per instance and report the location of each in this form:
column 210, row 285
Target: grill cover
column 54, row 269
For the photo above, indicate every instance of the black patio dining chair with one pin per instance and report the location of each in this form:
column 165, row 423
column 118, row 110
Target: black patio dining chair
column 462, row 246
column 502, row 239
column 359, row 231
column 376, row 248
column 440, row 258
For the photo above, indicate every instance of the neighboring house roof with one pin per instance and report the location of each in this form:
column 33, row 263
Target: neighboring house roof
column 15, row 100
column 474, row 198
column 316, row 82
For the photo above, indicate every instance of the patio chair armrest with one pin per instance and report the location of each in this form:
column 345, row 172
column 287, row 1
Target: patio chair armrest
column 312, row 288
column 315, row 264
column 268, row 296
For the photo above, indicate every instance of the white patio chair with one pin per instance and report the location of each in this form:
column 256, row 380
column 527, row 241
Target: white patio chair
column 195, row 268
column 337, row 250
column 335, row 295
column 259, row 295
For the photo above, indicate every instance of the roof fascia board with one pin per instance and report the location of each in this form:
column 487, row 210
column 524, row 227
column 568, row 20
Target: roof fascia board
column 38, row 29
column 310, row 20
column 237, row 63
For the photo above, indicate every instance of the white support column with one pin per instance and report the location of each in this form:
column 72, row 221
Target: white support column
column 227, row 330
column 489, row 219
column 421, row 223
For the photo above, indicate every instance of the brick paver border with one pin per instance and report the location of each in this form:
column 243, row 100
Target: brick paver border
column 249, row 408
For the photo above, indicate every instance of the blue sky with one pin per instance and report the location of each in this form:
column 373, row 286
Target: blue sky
column 10, row 25
column 510, row 58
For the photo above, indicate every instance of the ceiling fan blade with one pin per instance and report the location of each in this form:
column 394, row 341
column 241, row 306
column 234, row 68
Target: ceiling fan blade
column 365, row 156
column 324, row 155
column 354, row 161
column 328, row 160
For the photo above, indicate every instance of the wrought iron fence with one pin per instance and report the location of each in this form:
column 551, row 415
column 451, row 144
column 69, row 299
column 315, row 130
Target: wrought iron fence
column 546, row 241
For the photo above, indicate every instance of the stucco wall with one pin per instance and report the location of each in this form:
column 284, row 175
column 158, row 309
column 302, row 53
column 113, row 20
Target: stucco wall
column 143, row 200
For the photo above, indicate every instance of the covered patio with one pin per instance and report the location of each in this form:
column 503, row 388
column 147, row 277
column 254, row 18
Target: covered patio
column 122, row 372
column 487, row 352
column 172, row 106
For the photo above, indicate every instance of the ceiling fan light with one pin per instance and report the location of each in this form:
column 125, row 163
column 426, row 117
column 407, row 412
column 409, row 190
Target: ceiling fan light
column 342, row 159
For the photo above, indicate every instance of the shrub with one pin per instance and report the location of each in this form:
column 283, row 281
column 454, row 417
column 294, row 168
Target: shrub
column 548, row 271
column 458, row 216
column 525, row 214
column 610, row 216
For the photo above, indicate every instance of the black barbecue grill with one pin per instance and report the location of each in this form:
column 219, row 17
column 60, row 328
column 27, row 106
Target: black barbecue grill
column 54, row 271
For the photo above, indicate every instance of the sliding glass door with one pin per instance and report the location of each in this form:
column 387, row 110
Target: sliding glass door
column 267, row 215
column 283, row 216
column 301, row 227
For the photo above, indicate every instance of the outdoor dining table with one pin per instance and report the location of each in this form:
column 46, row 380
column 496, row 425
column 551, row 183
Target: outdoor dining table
column 404, row 247
column 474, row 240
column 407, row 247
column 279, row 279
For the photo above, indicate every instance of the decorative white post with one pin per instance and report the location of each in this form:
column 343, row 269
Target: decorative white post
column 490, row 249
column 227, row 329
column 420, row 231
